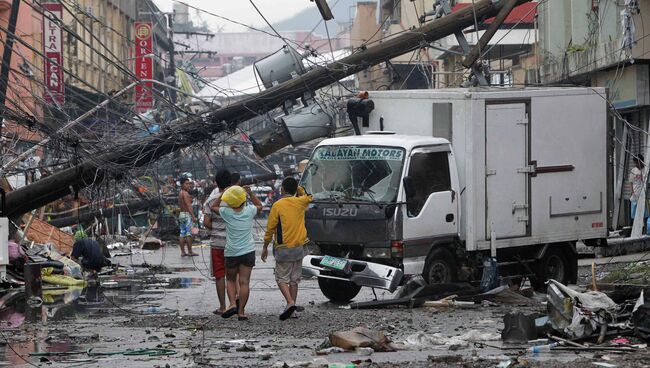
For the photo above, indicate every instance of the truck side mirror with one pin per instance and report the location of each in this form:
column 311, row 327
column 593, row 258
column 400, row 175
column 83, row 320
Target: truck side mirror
column 409, row 187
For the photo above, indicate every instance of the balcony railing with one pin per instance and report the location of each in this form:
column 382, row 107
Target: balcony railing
column 573, row 63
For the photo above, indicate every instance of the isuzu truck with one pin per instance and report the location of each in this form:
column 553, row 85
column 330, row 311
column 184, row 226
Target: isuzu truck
column 439, row 181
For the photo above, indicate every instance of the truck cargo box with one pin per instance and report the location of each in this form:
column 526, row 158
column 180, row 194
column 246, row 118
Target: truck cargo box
column 532, row 163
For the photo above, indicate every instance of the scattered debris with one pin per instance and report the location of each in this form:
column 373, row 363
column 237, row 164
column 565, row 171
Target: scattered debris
column 361, row 337
column 576, row 314
column 330, row 350
column 424, row 339
column 365, row 351
column 641, row 317
column 246, row 349
column 518, row 328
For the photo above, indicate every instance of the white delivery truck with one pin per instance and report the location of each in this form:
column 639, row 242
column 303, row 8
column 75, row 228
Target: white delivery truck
column 441, row 179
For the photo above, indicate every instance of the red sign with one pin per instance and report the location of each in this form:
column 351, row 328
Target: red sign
column 143, row 66
column 53, row 50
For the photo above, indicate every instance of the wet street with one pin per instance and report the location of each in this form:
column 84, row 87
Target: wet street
column 161, row 315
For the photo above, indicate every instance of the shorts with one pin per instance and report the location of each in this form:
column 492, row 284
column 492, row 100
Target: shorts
column 247, row 260
column 218, row 263
column 185, row 224
column 288, row 272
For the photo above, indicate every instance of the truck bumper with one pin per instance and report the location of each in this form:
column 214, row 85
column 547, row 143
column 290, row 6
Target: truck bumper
column 363, row 273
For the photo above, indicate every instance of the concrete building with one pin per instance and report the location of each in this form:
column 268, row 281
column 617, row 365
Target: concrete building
column 510, row 53
column 23, row 90
column 106, row 42
column 365, row 31
column 439, row 66
column 603, row 44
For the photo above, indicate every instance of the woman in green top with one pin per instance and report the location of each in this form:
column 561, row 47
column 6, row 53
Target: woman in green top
column 240, row 245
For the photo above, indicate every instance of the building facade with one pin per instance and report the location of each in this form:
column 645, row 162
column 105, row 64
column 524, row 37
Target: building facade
column 24, row 86
column 100, row 47
column 604, row 44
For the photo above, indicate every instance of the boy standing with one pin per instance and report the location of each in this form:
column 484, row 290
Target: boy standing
column 287, row 223
column 186, row 218
column 217, row 228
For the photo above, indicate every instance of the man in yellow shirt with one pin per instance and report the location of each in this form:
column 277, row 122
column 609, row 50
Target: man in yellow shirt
column 287, row 224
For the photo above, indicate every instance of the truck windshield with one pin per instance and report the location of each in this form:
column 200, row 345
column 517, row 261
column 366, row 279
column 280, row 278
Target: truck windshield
column 355, row 173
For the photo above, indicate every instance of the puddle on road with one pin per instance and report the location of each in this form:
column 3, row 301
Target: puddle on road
column 139, row 293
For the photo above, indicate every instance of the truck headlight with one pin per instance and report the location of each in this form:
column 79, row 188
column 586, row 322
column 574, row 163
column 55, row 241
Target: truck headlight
column 376, row 253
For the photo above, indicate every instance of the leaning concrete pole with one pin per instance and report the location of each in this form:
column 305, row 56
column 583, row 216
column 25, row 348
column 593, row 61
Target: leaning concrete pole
column 184, row 133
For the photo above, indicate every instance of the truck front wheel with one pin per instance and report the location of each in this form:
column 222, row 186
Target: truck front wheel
column 338, row 291
column 440, row 267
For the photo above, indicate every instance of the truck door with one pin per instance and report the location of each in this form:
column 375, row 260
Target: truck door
column 506, row 160
column 431, row 212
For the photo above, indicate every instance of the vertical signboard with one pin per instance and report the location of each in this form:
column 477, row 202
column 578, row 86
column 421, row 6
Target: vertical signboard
column 143, row 66
column 53, row 51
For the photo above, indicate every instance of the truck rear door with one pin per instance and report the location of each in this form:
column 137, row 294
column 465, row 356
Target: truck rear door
column 506, row 170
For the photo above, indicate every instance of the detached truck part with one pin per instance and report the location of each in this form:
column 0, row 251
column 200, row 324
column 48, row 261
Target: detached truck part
column 459, row 175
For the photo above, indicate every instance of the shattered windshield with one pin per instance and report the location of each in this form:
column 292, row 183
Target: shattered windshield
column 355, row 173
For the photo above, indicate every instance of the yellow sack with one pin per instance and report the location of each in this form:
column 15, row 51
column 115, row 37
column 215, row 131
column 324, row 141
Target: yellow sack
column 61, row 280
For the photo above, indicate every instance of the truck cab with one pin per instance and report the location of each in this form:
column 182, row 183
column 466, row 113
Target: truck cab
column 381, row 201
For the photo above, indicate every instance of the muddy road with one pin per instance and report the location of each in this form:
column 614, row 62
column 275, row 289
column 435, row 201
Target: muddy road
column 160, row 315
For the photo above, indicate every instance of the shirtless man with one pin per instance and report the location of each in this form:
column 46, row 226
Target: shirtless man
column 186, row 218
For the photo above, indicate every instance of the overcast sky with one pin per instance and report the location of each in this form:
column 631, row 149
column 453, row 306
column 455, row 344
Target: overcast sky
column 241, row 11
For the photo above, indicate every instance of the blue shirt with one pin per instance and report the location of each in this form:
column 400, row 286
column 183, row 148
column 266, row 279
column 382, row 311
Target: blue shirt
column 239, row 230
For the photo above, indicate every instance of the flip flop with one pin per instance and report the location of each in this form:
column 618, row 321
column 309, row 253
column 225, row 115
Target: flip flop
column 193, row 254
column 287, row 313
column 217, row 312
column 242, row 318
column 183, row 255
column 230, row 312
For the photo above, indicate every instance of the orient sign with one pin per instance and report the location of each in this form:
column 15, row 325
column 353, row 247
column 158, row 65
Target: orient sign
column 53, row 50
column 143, row 66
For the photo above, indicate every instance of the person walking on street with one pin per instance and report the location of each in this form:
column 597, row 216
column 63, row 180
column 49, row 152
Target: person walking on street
column 214, row 223
column 240, row 245
column 186, row 218
column 287, row 223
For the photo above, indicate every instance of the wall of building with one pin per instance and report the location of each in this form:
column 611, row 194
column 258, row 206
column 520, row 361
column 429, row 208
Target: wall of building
column 365, row 31
column 104, row 51
column 581, row 36
column 22, row 89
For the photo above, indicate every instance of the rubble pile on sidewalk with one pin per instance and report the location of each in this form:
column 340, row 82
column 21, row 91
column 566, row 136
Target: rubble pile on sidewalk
column 49, row 248
column 581, row 321
column 613, row 321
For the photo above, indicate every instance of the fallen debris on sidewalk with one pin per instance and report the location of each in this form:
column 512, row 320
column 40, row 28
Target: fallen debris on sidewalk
column 576, row 315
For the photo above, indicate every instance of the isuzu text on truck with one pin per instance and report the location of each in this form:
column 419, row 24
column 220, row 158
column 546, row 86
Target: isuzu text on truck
column 441, row 179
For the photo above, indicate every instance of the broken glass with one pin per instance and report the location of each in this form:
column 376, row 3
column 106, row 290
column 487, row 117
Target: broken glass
column 354, row 173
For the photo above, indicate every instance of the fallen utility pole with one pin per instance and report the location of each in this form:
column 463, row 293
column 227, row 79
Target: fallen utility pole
column 101, row 213
column 187, row 132
column 489, row 33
